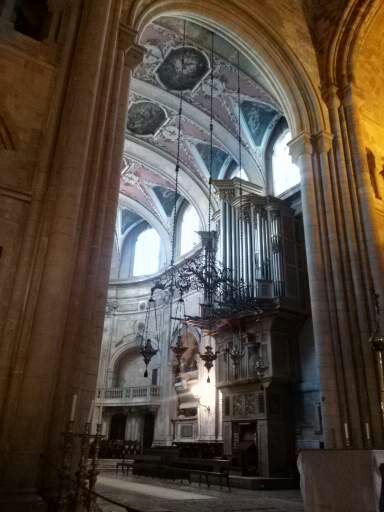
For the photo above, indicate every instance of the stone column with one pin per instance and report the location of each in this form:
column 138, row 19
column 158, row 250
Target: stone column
column 56, row 8
column 301, row 151
column 351, row 106
column 365, row 256
column 59, row 349
column 340, row 295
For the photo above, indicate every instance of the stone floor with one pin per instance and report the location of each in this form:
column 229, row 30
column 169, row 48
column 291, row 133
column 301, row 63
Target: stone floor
column 152, row 495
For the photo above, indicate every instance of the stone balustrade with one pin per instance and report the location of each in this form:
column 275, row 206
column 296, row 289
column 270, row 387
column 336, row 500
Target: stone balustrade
column 138, row 395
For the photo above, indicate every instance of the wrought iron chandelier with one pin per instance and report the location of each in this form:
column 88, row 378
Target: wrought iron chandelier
column 235, row 350
column 223, row 296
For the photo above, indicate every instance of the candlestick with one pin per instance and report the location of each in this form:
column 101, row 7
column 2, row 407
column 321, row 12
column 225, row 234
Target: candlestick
column 368, row 431
column 73, row 408
column 90, row 414
column 93, row 472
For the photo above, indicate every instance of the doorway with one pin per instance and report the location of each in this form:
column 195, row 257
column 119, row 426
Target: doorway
column 117, row 430
column 148, row 431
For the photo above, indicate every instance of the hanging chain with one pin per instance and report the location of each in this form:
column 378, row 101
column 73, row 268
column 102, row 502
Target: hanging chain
column 177, row 168
column 157, row 330
column 241, row 248
column 147, row 318
column 211, row 141
column 209, row 258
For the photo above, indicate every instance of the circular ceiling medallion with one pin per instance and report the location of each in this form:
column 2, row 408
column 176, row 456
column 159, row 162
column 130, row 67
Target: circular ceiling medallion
column 176, row 75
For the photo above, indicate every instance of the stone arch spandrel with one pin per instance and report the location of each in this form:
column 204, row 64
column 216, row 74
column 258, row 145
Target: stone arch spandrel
column 248, row 28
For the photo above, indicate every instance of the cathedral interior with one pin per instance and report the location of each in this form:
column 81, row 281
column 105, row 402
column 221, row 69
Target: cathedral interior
column 191, row 253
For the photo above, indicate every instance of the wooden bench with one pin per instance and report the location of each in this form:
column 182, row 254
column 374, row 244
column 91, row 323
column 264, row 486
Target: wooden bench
column 180, row 468
column 203, row 468
column 125, row 465
column 147, row 465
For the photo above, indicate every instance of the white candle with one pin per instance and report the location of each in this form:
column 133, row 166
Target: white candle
column 73, row 408
column 90, row 414
column 367, row 431
column 346, row 430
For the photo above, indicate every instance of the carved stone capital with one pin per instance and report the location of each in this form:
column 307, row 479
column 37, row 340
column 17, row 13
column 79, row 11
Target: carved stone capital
column 134, row 53
column 126, row 37
column 330, row 93
column 134, row 56
column 323, row 142
column 301, row 145
column 227, row 194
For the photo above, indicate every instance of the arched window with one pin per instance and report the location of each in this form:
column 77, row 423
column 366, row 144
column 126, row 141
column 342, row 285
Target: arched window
column 237, row 174
column 190, row 224
column 285, row 173
column 147, row 253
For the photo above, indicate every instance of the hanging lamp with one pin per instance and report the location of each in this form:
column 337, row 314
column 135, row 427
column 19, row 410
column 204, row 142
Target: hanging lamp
column 149, row 345
column 178, row 347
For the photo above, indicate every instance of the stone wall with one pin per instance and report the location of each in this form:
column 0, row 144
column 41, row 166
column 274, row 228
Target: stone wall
column 27, row 78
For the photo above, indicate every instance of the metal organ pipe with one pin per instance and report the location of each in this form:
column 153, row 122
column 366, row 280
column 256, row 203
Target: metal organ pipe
column 251, row 241
column 245, row 249
column 249, row 255
column 259, row 239
column 279, row 255
column 230, row 236
column 235, row 243
column 252, row 248
column 223, row 232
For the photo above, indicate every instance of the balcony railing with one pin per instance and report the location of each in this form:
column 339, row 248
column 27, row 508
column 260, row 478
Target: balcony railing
column 139, row 395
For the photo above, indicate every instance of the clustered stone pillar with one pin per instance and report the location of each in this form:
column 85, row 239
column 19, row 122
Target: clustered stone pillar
column 301, row 151
column 58, row 352
column 339, row 281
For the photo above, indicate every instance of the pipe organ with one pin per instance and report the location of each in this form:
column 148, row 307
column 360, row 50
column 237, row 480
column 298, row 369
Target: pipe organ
column 260, row 241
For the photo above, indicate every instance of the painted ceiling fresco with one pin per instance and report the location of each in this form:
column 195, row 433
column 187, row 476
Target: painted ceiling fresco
column 220, row 159
column 182, row 69
column 128, row 219
column 145, row 118
column 167, row 71
column 258, row 118
column 166, row 197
